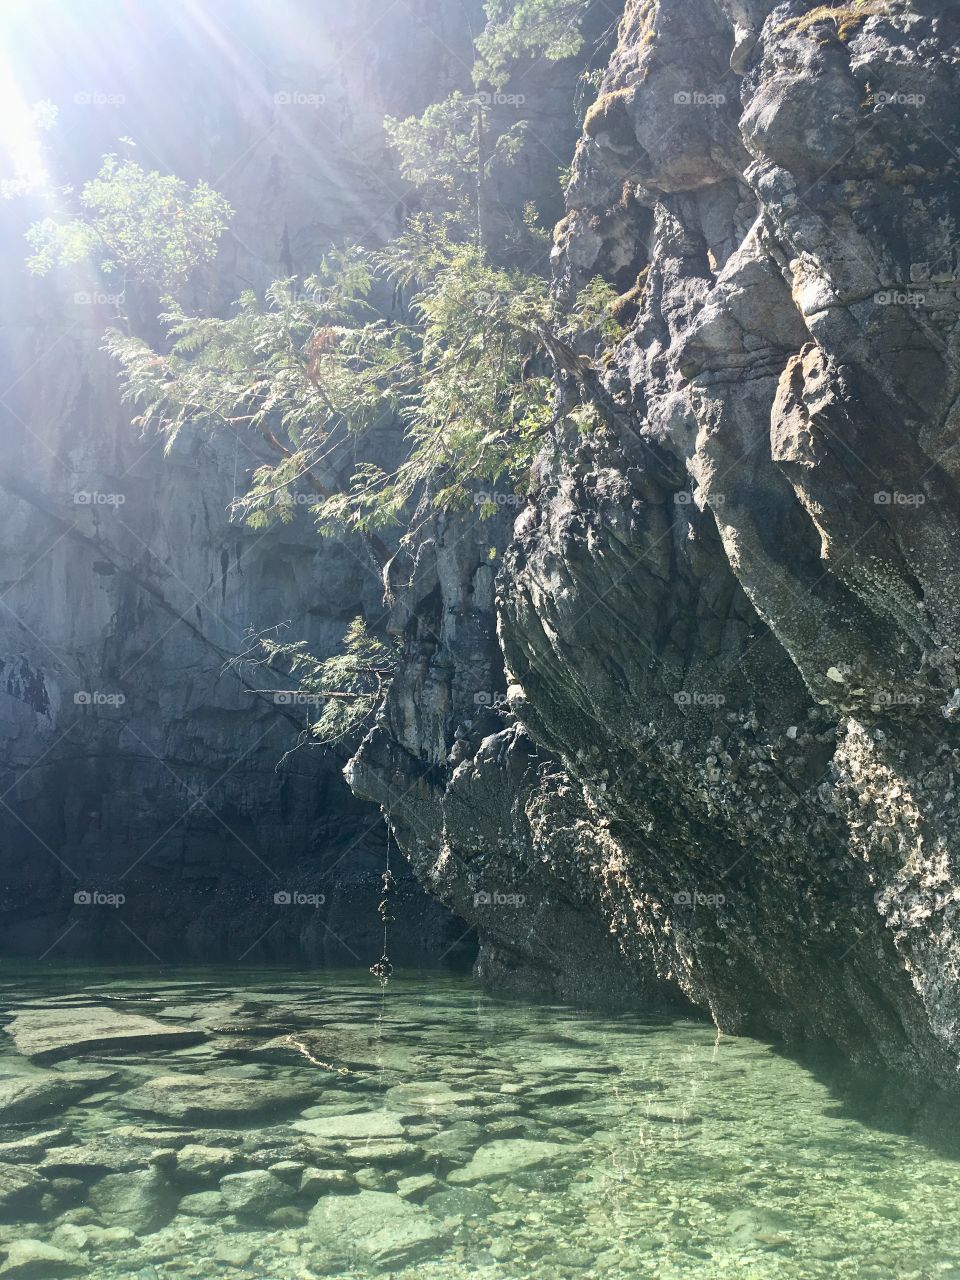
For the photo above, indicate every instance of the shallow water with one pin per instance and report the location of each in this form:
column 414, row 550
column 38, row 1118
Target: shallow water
column 446, row 1133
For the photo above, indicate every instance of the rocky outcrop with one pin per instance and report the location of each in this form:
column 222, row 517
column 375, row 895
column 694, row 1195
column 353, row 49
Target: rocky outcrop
column 723, row 769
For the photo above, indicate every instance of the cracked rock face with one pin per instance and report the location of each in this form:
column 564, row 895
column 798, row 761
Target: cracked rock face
column 723, row 768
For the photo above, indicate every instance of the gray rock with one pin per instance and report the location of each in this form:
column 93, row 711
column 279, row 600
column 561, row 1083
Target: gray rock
column 375, row 1227
column 30, row 1097
column 321, row 1182
column 19, row 1186
column 455, row 1142
column 504, row 1157
column 142, row 1201
column 365, row 1126
column 103, row 1153
column 52, row 1033
column 371, row 1179
column 417, row 1188
column 235, row 1253
column 195, row 1099
column 36, row 1260
column 203, row 1204
column 195, row 1161
column 427, row 1096
column 256, row 1192
column 32, row 1148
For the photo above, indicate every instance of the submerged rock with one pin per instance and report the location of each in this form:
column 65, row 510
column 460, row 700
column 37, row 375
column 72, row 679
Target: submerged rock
column 506, row 1156
column 49, row 1034
column 102, row 1153
column 427, row 1096
column 30, row 1150
column 377, row 1228
column 34, row 1260
column 257, row 1192
column 352, row 1128
column 29, row 1097
column 194, row 1161
column 19, row 1186
column 194, row 1099
column 203, row 1204
column 321, row 1182
column 418, row 1187
column 142, row 1201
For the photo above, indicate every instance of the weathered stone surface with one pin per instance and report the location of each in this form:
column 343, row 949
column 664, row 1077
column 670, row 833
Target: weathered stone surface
column 504, row 1157
column 103, row 1153
column 48, row 1034
column 427, row 1096
column 38, row 1261
column 418, row 1187
column 376, row 1227
column 203, row 1204
column 193, row 1099
column 358, row 1046
column 142, row 1202
column 257, row 1192
column 19, row 1186
column 322, row 1182
column 31, row 1149
column 723, row 770
column 29, row 1097
column 365, row 1126
column 195, row 1161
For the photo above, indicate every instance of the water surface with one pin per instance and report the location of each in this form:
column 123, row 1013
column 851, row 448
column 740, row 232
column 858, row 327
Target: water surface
column 312, row 1126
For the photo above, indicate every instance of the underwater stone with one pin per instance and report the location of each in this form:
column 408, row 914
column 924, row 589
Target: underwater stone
column 504, row 1157
column 50, row 1034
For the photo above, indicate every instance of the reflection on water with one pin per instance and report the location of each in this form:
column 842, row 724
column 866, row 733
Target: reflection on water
column 276, row 1126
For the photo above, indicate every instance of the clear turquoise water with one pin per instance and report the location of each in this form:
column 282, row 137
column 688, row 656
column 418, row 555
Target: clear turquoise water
column 491, row 1138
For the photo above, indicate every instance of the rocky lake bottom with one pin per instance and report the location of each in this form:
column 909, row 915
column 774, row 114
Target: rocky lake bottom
column 284, row 1126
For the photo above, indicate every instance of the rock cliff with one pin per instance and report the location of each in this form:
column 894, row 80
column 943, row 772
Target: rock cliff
column 722, row 765
column 129, row 764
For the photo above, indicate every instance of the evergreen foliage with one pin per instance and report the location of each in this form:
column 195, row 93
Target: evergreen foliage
column 134, row 222
column 392, row 384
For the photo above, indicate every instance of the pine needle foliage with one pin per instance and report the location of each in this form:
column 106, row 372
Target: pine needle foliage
column 317, row 371
column 347, row 688
column 552, row 29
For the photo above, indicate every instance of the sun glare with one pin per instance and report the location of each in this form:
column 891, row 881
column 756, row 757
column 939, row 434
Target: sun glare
column 23, row 125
